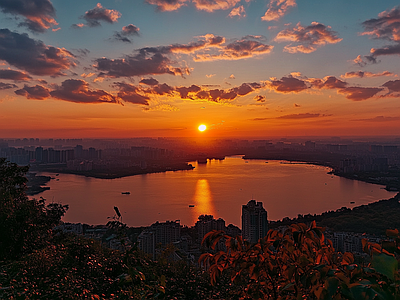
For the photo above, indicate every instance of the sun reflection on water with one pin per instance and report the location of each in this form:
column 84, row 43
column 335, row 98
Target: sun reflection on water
column 202, row 200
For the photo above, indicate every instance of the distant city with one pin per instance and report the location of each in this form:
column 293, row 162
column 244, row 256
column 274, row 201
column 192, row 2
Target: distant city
column 371, row 160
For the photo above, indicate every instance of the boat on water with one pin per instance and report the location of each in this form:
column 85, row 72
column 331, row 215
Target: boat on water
column 125, row 193
column 352, row 202
column 191, row 205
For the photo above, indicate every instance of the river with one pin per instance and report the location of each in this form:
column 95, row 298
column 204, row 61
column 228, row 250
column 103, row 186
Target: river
column 219, row 187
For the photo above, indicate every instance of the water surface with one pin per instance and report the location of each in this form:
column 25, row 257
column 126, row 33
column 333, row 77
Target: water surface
column 219, row 188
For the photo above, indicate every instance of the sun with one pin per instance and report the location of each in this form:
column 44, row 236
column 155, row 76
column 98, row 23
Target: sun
column 202, row 127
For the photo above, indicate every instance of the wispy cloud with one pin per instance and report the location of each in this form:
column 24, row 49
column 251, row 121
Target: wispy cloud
column 14, row 75
column 126, row 33
column 277, row 9
column 212, row 5
column 362, row 74
column 239, row 12
column 167, row 5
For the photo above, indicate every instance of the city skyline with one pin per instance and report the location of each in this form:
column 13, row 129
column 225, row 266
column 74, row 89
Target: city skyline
column 243, row 68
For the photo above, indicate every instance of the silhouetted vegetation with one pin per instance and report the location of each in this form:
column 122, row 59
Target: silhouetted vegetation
column 373, row 218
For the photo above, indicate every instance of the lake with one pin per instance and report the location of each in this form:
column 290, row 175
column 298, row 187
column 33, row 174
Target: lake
column 219, row 188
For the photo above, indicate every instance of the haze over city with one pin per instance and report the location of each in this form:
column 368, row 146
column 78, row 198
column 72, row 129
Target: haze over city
column 243, row 68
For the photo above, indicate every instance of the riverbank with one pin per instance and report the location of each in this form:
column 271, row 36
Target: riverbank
column 389, row 178
column 113, row 173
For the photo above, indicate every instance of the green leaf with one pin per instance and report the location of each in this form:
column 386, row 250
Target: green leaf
column 385, row 264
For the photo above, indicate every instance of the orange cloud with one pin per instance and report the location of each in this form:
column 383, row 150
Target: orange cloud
column 277, row 9
column 212, row 5
column 307, row 39
column 386, row 26
column 238, row 12
column 167, row 5
column 99, row 13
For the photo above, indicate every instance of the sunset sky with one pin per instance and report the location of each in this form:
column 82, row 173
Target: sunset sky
column 244, row 68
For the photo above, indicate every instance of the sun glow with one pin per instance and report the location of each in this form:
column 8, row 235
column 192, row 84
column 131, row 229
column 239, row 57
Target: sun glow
column 202, row 127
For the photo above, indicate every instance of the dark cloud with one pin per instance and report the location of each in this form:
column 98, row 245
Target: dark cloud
column 36, row 92
column 185, row 91
column 277, row 9
column 163, row 89
column 77, row 91
column 39, row 14
column 361, row 74
column 260, row 98
column 130, row 93
column 392, row 85
column 99, row 13
column 126, row 32
column 32, row 55
column 14, row 75
column 287, row 85
column 299, row 116
column 6, row 86
column 167, row 5
column 329, row 82
column 307, row 39
column 147, row 61
column 387, row 50
column 379, row 119
column 386, row 26
column 149, row 81
column 359, row 93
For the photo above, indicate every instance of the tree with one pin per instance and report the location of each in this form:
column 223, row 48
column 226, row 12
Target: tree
column 299, row 264
column 25, row 224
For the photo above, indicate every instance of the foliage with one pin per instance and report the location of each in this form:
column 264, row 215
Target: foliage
column 25, row 224
column 373, row 218
column 299, row 264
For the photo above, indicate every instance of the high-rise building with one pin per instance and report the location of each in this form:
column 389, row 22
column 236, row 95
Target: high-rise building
column 254, row 221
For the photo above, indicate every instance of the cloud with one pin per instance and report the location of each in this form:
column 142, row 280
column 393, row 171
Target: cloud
column 379, row 119
column 32, row 55
column 126, row 32
column 146, row 61
column 359, row 93
column 167, row 5
column 6, row 86
column 36, row 92
column 212, row 5
column 232, row 76
column 328, row 82
column 299, row 116
column 149, row 81
column 238, row 12
column 185, row 91
column 39, row 14
column 130, row 93
column 296, row 105
column 99, row 13
column 77, row 91
column 277, row 9
column 307, row 39
column 386, row 26
column 260, row 98
column 210, row 75
column 162, row 89
column 392, row 85
column 246, row 47
column 14, row 75
column 287, row 85
column 361, row 74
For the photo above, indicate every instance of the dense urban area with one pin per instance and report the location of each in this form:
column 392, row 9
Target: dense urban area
column 151, row 259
